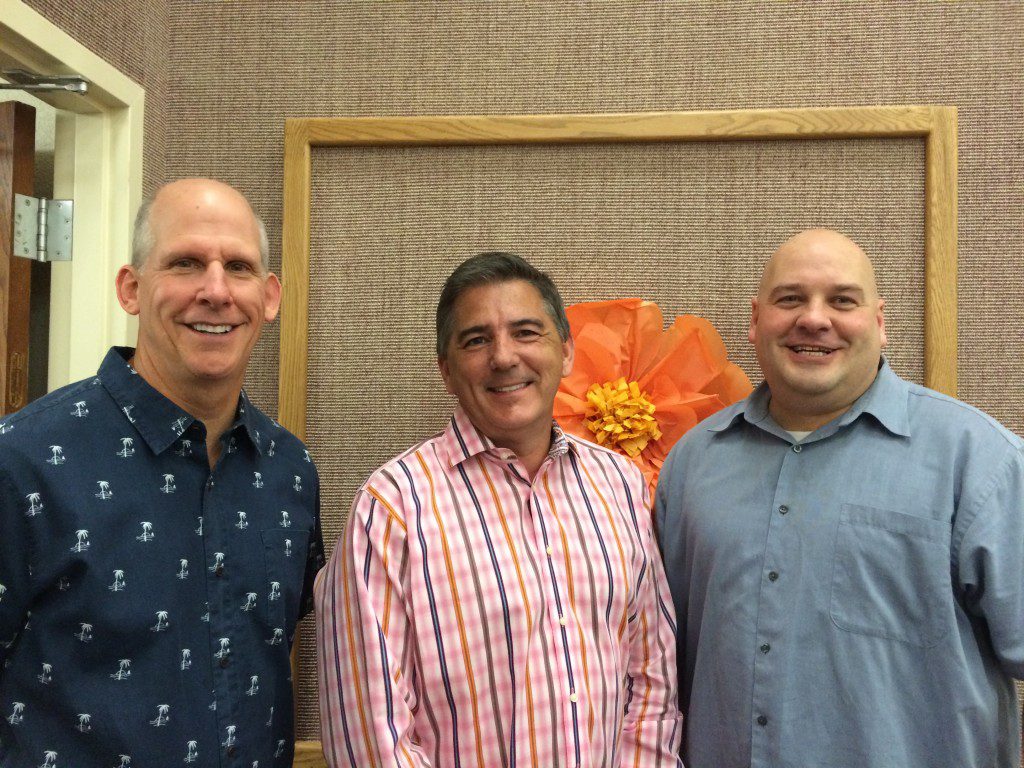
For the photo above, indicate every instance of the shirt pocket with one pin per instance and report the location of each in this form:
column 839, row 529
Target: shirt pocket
column 890, row 575
column 284, row 554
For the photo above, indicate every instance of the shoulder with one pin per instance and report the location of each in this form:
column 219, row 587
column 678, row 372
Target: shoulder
column 945, row 418
column 276, row 440
column 414, row 463
column 48, row 407
column 701, row 435
column 592, row 452
column 50, row 416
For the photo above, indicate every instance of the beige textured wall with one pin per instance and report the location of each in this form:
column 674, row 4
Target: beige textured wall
column 242, row 67
column 239, row 68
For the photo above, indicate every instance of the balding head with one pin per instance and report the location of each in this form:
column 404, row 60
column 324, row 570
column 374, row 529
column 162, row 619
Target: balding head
column 202, row 294
column 812, row 244
column 818, row 328
column 189, row 191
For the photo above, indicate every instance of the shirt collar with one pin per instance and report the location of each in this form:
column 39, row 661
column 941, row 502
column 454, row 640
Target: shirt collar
column 885, row 400
column 158, row 420
column 461, row 440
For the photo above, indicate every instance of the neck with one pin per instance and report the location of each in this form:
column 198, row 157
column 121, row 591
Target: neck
column 531, row 453
column 793, row 421
column 213, row 403
column 532, row 461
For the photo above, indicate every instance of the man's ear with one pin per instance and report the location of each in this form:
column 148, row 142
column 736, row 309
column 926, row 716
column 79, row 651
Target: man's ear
column 442, row 366
column 881, row 323
column 126, row 285
column 271, row 297
column 568, row 355
column 752, row 331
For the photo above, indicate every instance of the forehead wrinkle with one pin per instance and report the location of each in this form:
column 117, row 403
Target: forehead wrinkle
column 821, row 252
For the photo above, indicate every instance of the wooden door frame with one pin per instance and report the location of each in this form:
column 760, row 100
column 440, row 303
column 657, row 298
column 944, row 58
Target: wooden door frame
column 98, row 163
column 17, row 175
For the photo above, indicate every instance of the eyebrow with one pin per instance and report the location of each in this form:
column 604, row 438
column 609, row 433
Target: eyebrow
column 526, row 322
column 841, row 288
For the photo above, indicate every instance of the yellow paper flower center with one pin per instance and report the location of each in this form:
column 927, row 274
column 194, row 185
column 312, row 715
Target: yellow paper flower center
column 623, row 416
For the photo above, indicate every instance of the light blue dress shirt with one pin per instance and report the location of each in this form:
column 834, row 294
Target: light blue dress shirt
column 855, row 600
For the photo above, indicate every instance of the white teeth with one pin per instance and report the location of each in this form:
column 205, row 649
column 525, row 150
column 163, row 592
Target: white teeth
column 816, row 351
column 509, row 388
column 204, row 328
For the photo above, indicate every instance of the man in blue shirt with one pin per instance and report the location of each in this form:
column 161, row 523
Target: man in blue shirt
column 159, row 533
column 845, row 549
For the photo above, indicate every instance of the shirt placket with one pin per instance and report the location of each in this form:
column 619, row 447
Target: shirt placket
column 219, row 574
column 555, row 590
column 777, row 592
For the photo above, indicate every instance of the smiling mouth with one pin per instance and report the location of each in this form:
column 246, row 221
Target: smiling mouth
column 811, row 351
column 213, row 330
column 510, row 388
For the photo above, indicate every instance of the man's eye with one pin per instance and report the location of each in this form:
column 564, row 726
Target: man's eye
column 789, row 300
column 473, row 341
column 239, row 266
column 844, row 301
column 526, row 334
column 183, row 263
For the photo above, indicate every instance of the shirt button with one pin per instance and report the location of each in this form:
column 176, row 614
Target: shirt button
column 762, row 720
column 797, row 448
column 573, row 698
column 223, row 662
column 765, row 648
column 783, row 509
column 773, row 575
column 548, row 550
column 561, row 620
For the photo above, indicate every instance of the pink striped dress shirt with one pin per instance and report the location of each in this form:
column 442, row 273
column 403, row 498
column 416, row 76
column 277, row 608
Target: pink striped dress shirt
column 471, row 617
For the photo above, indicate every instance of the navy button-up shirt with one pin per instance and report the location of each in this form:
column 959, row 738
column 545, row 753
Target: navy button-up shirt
column 854, row 600
column 147, row 603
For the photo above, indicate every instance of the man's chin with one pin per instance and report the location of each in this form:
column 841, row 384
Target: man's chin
column 213, row 371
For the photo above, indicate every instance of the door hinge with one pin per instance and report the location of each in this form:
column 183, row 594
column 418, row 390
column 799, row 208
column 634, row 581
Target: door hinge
column 42, row 228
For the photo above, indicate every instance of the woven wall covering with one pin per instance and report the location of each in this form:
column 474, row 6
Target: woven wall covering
column 687, row 225
column 241, row 67
column 132, row 36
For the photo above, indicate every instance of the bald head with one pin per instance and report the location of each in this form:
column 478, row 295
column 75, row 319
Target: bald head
column 820, row 245
column 818, row 328
column 186, row 193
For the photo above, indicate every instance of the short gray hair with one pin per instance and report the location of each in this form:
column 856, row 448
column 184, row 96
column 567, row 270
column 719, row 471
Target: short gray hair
column 143, row 239
column 489, row 268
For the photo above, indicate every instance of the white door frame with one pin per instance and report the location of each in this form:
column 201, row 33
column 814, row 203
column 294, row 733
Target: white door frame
column 98, row 163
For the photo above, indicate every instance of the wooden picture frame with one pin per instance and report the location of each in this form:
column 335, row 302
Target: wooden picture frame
column 936, row 125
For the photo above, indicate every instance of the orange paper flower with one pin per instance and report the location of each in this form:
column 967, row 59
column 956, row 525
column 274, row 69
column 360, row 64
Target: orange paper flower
column 636, row 388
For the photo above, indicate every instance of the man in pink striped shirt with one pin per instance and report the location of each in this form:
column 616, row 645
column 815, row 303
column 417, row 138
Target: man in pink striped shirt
column 498, row 598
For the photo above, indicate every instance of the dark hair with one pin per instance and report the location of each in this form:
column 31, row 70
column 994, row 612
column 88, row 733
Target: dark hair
column 495, row 267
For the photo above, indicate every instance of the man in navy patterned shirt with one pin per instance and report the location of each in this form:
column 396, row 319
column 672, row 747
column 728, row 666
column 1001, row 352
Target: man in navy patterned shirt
column 159, row 533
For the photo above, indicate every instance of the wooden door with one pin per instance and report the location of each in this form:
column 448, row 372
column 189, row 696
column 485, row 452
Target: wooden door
column 17, row 162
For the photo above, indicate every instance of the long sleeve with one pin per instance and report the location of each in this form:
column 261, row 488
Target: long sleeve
column 15, row 549
column 991, row 558
column 314, row 556
column 652, row 726
column 367, row 684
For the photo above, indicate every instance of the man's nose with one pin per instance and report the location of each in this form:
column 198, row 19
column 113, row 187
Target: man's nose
column 214, row 288
column 816, row 316
column 503, row 353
